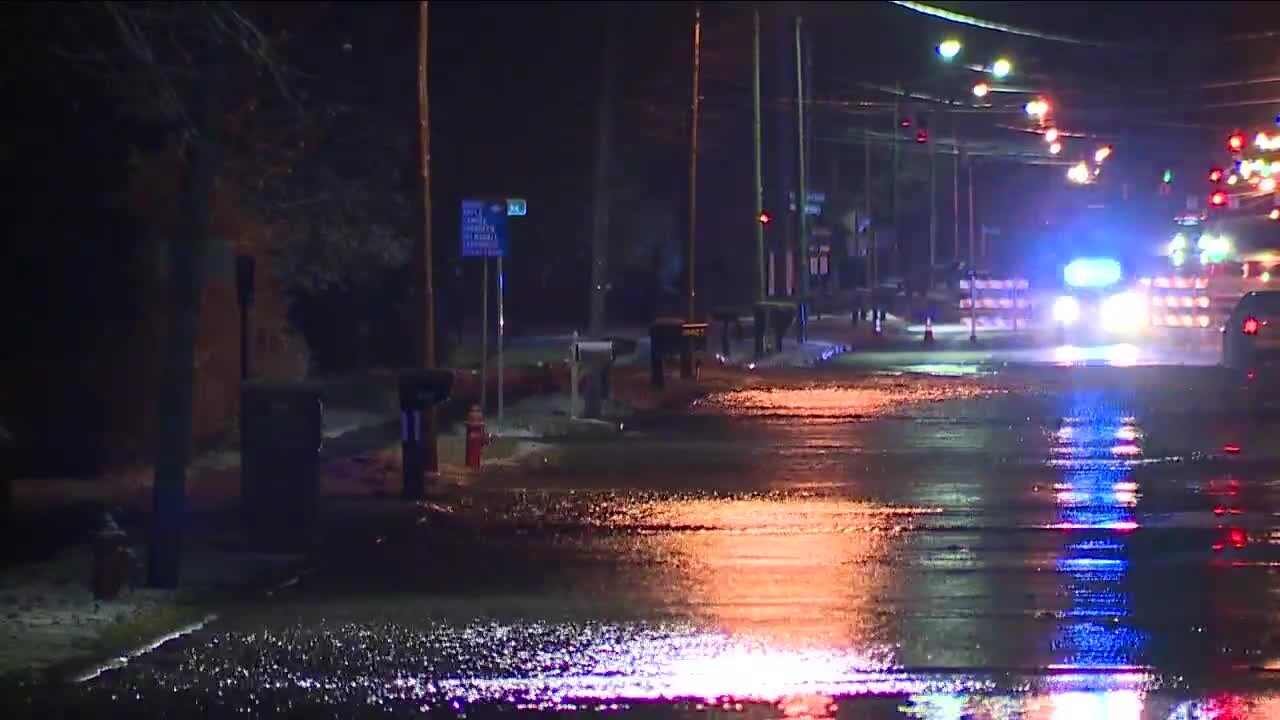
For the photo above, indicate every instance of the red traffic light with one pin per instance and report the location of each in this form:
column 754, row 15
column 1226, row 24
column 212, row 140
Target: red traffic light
column 1218, row 199
column 1235, row 142
column 922, row 136
column 1215, row 175
column 764, row 218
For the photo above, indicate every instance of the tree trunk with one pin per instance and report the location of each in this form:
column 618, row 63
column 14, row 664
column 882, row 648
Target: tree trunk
column 177, row 385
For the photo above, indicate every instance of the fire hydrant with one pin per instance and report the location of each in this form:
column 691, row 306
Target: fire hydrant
column 477, row 438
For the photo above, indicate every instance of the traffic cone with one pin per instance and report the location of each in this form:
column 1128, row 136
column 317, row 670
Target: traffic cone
column 928, row 330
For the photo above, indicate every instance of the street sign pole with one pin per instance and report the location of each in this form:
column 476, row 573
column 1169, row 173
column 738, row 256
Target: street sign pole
column 484, row 336
column 501, row 292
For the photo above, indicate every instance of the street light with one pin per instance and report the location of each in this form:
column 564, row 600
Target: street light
column 1001, row 68
column 949, row 48
column 1102, row 154
column 981, row 89
column 1051, row 135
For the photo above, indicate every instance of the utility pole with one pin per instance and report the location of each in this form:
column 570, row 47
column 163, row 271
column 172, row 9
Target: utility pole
column 802, row 197
column 933, row 213
column 893, row 209
column 600, row 214
column 694, row 107
column 426, row 325
column 971, row 253
column 955, row 197
column 866, row 198
column 757, row 152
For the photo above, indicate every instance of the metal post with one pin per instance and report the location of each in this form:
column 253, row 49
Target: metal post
column 695, row 107
column 501, row 331
column 893, row 209
column 758, row 151
column 604, row 146
column 573, row 377
column 802, row 197
column 484, row 337
column 973, row 307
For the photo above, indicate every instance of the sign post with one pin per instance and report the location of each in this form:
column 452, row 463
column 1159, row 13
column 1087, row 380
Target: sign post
column 484, row 235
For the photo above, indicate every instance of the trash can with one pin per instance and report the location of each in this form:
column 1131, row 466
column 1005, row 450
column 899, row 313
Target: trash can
column 420, row 392
column 281, row 433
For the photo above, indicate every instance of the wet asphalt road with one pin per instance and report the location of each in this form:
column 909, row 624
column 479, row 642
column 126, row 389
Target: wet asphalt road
column 1029, row 542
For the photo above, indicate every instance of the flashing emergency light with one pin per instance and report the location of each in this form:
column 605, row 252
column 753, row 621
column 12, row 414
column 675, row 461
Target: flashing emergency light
column 1051, row 135
column 981, row 89
column 1055, row 148
column 1274, row 214
column 1267, row 142
column 1102, row 153
column 1092, row 272
column 764, row 218
column 1215, row 175
column 1001, row 68
column 1267, row 184
column 1235, row 142
column 1218, row 199
column 1167, row 177
column 949, row 48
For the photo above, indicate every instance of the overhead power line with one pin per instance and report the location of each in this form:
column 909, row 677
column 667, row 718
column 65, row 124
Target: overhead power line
column 956, row 17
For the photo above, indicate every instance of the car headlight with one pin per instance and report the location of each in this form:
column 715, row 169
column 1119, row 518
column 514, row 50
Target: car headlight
column 1124, row 312
column 1066, row 310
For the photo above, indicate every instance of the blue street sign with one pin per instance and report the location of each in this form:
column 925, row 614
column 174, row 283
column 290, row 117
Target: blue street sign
column 484, row 228
column 517, row 207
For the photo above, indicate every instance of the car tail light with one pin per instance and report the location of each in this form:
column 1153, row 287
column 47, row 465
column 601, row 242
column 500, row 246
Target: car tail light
column 1251, row 326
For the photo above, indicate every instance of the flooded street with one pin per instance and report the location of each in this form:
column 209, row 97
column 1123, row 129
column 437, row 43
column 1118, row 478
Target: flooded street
column 1040, row 543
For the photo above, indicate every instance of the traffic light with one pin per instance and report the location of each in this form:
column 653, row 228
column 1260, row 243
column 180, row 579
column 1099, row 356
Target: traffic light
column 1235, row 142
column 764, row 218
column 1218, row 199
column 1215, row 175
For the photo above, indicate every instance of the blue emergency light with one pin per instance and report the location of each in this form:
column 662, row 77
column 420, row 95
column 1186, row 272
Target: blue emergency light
column 1092, row 272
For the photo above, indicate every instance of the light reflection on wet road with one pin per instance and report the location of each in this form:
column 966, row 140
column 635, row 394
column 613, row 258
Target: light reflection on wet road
column 1046, row 545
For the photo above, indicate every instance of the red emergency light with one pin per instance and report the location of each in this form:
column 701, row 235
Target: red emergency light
column 1218, row 199
column 1236, row 142
column 1215, row 175
column 764, row 218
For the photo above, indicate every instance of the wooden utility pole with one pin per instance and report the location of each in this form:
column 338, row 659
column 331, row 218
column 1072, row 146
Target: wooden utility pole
column 757, row 153
column 425, row 327
column 604, row 146
column 695, row 107
column 802, row 197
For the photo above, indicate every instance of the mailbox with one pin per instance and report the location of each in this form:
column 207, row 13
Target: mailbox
column 420, row 392
column 598, row 356
column 594, row 352
column 664, row 339
column 281, row 433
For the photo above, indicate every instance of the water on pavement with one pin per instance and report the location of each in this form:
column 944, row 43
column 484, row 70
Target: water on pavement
column 1054, row 543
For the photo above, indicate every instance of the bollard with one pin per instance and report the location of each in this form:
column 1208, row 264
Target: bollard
column 477, row 438
column 928, row 330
